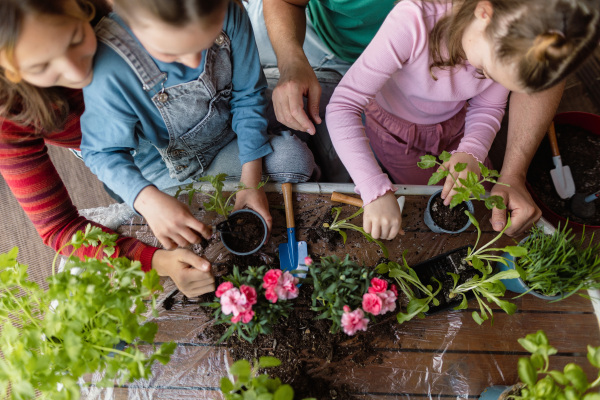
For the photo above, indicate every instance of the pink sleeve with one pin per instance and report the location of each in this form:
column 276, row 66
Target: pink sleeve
column 402, row 34
column 484, row 116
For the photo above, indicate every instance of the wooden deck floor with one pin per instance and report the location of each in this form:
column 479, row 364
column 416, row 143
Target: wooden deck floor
column 446, row 355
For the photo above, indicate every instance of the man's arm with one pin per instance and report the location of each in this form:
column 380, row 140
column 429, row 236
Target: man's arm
column 529, row 117
column 286, row 26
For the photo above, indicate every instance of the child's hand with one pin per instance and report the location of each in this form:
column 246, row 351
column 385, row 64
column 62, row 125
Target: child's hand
column 190, row 272
column 382, row 217
column 170, row 220
column 255, row 199
column 472, row 166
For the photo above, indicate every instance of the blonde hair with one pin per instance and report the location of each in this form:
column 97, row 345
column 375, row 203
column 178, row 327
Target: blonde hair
column 545, row 39
column 26, row 104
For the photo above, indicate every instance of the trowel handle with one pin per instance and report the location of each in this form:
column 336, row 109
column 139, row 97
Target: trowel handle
column 286, row 188
column 342, row 198
column 552, row 138
column 592, row 197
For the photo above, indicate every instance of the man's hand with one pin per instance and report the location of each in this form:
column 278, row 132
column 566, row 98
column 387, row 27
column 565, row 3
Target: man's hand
column 472, row 166
column 191, row 273
column 382, row 217
column 297, row 80
column 170, row 220
column 523, row 211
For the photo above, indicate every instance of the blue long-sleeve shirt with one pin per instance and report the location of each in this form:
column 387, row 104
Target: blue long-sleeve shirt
column 119, row 112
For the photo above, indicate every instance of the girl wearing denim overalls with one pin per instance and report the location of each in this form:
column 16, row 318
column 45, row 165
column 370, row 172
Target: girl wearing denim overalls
column 178, row 93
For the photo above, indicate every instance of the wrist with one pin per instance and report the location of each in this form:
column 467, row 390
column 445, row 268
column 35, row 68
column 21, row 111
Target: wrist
column 144, row 198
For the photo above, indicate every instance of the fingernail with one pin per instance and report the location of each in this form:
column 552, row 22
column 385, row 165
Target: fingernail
column 498, row 225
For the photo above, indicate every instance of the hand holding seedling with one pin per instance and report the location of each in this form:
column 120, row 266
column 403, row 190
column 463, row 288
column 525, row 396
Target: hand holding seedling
column 170, row 220
column 457, row 172
column 383, row 218
column 191, row 273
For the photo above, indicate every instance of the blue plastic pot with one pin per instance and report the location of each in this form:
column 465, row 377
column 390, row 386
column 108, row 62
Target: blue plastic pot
column 517, row 285
column 495, row 392
column 437, row 229
column 264, row 236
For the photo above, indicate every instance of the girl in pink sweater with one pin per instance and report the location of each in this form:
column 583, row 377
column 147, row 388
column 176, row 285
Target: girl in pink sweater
column 436, row 77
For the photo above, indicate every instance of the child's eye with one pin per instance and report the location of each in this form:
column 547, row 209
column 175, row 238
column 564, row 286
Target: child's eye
column 79, row 36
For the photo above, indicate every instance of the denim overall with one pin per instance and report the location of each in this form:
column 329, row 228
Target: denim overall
column 197, row 113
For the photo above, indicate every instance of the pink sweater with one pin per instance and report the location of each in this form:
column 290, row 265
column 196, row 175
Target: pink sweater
column 394, row 70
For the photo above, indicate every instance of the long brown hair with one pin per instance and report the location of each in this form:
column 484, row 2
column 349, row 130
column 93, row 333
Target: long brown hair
column 172, row 12
column 43, row 108
column 546, row 39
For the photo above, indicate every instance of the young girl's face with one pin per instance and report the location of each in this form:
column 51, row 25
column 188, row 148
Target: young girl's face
column 53, row 51
column 182, row 44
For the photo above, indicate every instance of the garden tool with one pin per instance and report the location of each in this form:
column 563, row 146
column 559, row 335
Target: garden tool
column 561, row 175
column 583, row 206
column 292, row 253
column 353, row 201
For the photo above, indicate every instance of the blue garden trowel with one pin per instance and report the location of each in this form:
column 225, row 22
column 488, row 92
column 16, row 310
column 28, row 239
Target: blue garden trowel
column 292, row 253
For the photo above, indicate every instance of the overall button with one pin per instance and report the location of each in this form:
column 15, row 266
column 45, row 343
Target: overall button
column 178, row 153
column 180, row 168
column 220, row 40
column 162, row 97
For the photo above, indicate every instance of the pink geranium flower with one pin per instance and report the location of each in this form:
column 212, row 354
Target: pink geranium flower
column 308, row 261
column 271, row 278
column 394, row 290
column 286, row 286
column 378, row 285
column 354, row 321
column 271, row 295
column 245, row 317
column 233, row 302
column 223, row 287
column 388, row 301
column 250, row 294
column 372, row 303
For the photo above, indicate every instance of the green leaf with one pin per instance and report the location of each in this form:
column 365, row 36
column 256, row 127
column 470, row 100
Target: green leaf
column 593, row 356
column 574, row 373
column 559, row 377
column 459, row 167
column 268, row 362
column 427, row 161
column 284, row 392
column 527, row 373
column 226, row 385
column 437, row 176
column 479, row 318
column 516, row 251
column 445, row 156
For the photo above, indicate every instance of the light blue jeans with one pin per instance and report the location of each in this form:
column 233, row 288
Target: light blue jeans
column 329, row 70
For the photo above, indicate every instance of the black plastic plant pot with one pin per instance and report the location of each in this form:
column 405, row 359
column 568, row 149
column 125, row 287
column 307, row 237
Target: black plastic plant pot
column 246, row 232
column 438, row 268
column 437, row 227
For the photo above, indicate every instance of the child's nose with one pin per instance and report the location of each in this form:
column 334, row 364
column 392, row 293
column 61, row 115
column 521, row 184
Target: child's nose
column 76, row 69
column 191, row 60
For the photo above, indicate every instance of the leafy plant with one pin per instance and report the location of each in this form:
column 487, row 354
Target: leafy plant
column 249, row 385
column 248, row 301
column 217, row 201
column 467, row 189
column 51, row 338
column 407, row 279
column 339, row 225
column 559, row 264
column 571, row 383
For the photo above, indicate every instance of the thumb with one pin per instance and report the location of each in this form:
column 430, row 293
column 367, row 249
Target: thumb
column 314, row 98
column 195, row 261
column 498, row 219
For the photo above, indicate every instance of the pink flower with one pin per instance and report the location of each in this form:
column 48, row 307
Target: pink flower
column 271, row 295
column 250, row 294
column 388, row 301
column 378, row 285
column 354, row 321
column 394, row 290
column 308, row 261
column 286, row 286
column 223, row 287
column 372, row 303
column 245, row 317
column 233, row 302
column 271, row 277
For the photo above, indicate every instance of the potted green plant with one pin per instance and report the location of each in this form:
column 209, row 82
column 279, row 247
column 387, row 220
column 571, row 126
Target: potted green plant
column 51, row 338
column 555, row 266
column 243, row 232
column 538, row 382
column 248, row 384
column 442, row 219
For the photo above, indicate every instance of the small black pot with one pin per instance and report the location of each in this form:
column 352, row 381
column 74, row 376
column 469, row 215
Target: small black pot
column 438, row 267
column 239, row 240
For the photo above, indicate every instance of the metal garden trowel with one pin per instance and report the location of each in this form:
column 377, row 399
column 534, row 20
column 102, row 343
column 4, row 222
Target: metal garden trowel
column 292, row 253
column 561, row 175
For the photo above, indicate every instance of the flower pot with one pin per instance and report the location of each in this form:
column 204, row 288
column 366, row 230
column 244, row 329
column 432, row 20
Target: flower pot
column 518, row 285
column 498, row 392
column 429, row 219
column 437, row 267
column 248, row 232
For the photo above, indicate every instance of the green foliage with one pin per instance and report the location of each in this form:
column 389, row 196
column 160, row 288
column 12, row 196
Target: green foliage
column 51, row 338
column 559, row 264
column 339, row 224
column 249, row 385
column 337, row 283
column 266, row 314
column 217, row 201
column 408, row 281
column 542, row 384
column 467, row 189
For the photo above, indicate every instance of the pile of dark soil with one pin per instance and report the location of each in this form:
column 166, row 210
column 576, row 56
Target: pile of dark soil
column 578, row 149
column 450, row 219
column 243, row 232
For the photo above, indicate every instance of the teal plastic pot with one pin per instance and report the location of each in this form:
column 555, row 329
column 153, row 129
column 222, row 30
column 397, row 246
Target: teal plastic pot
column 435, row 227
column 495, row 392
column 517, row 285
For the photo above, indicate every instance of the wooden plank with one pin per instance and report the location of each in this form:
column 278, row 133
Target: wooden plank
column 166, row 394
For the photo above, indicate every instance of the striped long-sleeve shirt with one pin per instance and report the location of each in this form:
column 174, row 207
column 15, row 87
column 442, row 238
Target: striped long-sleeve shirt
column 34, row 181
